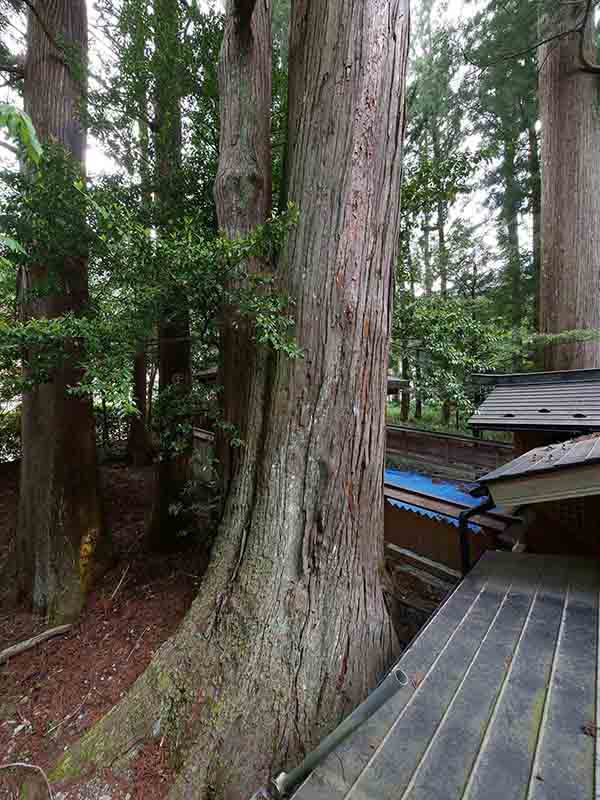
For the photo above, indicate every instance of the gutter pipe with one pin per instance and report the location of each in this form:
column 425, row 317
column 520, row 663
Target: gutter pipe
column 286, row 781
column 463, row 530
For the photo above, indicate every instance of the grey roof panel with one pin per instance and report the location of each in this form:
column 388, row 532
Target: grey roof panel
column 583, row 451
column 543, row 406
column 523, row 378
column 500, row 699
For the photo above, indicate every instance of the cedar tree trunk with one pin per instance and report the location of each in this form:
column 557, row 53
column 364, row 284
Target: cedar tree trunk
column 290, row 631
column 243, row 200
column 570, row 115
column 59, row 525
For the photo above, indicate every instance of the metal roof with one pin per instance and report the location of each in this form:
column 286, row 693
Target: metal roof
column 430, row 514
column 558, row 376
column 444, row 489
column 571, row 405
column 443, row 500
column 501, row 699
column 582, row 451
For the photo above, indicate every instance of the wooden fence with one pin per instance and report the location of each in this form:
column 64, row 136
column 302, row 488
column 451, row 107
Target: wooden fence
column 445, row 453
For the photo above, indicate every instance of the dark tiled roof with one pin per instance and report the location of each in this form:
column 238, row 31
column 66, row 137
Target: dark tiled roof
column 501, row 698
column 575, row 453
column 571, row 405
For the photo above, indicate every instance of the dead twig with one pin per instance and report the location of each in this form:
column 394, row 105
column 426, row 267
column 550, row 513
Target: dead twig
column 17, row 649
column 69, row 716
column 23, row 765
column 138, row 640
column 125, row 571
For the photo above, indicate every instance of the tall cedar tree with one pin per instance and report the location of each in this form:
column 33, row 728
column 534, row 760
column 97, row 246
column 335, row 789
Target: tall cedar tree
column 290, row 628
column 570, row 115
column 59, row 525
column 505, row 111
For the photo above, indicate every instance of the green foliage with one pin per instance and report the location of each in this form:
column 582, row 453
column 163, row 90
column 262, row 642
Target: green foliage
column 21, row 130
column 137, row 278
column 449, row 338
column 10, row 435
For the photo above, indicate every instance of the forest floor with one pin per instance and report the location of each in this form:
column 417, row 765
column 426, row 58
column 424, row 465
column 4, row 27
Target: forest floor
column 52, row 693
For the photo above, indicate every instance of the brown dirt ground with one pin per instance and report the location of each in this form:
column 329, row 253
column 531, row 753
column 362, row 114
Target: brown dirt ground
column 51, row 694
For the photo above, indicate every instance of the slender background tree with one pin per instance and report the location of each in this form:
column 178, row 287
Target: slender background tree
column 60, row 523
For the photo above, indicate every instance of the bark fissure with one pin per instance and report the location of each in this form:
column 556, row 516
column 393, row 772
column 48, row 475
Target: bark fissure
column 280, row 668
column 60, row 532
column 570, row 154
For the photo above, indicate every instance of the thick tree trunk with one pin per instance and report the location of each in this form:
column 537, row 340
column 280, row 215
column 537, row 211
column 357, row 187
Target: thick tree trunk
column 570, row 114
column 171, row 516
column 59, row 527
column 138, row 442
column 290, row 629
column 243, row 199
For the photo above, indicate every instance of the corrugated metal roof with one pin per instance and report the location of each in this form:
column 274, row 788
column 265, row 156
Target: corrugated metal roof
column 426, row 512
column 578, row 452
column 501, row 699
column 442, row 499
column 569, row 406
column 444, row 489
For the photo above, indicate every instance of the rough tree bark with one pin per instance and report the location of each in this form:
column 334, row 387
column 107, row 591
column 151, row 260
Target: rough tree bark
column 243, row 199
column 290, row 629
column 570, row 115
column 174, row 372
column 59, row 525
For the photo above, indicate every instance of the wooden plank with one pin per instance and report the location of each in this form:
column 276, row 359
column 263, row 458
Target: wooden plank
column 503, row 767
column 424, row 433
column 502, row 685
column 391, row 766
column 409, row 556
column 448, row 760
column 341, row 769
column 571, row 699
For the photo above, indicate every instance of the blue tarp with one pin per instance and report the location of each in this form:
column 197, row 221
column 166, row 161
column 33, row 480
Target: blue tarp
column 442, row 489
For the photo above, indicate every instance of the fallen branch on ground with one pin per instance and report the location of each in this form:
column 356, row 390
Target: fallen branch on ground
column 17, row 649
column 23, row 765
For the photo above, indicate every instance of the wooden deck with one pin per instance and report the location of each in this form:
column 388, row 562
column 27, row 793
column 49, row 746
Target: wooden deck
column 501, row 700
